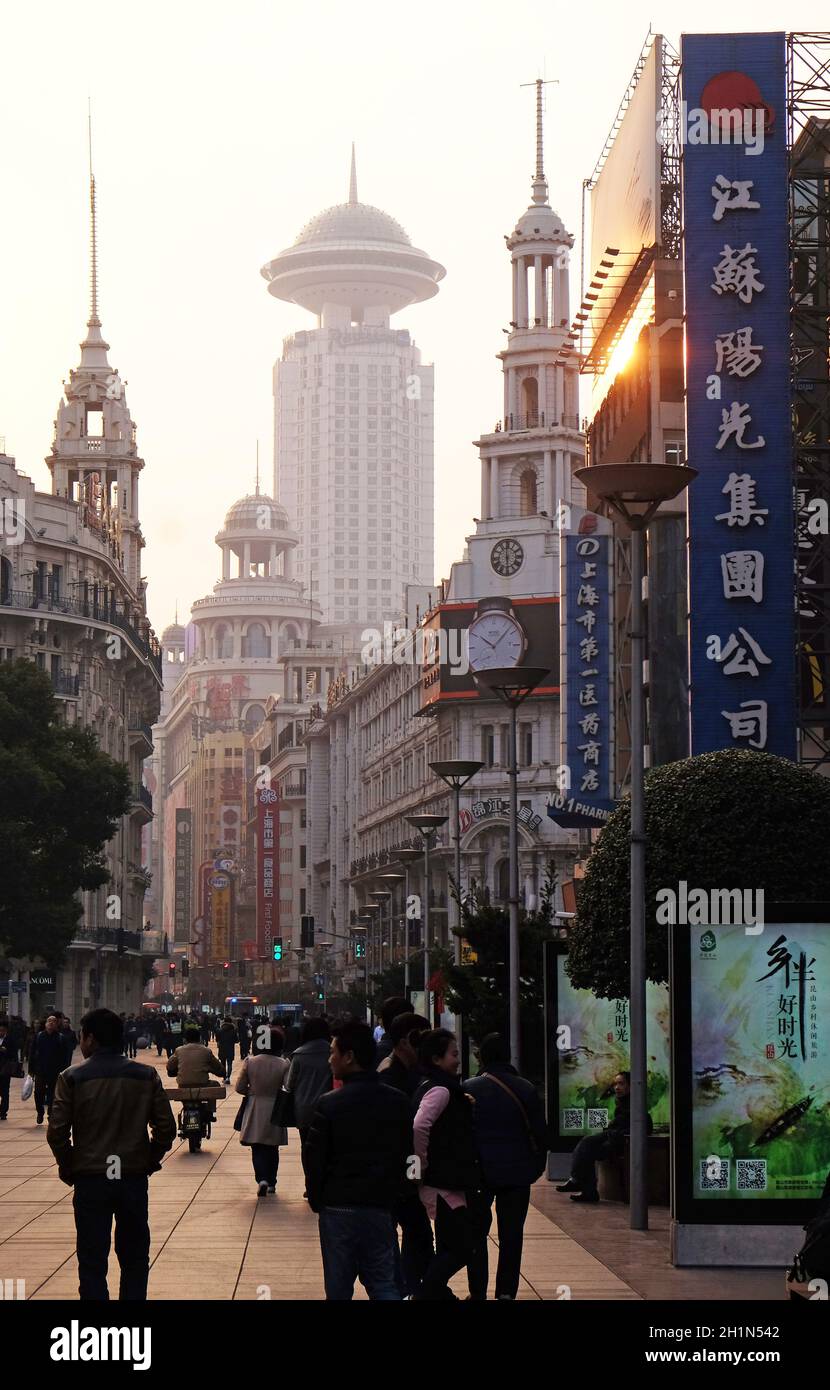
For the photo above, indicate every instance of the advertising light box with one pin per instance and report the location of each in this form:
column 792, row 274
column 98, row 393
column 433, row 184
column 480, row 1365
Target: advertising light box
column 590, row 1040
column 752, row 1070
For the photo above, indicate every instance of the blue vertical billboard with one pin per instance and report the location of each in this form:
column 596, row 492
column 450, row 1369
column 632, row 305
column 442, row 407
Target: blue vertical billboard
column 585, row 783
column 738, row 414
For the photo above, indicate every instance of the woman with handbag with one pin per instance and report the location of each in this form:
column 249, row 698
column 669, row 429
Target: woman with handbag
column 511, row 1136
column 260, row 1081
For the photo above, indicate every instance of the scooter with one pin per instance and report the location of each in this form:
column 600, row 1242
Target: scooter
column 197, row 1113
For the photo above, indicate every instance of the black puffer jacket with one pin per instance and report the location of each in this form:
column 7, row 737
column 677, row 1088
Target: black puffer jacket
column 452, row 1156
column 358, row 1146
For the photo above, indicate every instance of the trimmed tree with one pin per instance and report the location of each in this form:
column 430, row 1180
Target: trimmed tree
column 60, row 802
column 730, row 819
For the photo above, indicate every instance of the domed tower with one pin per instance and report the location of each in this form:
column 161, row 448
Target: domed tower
column 257, row 540
column 353, row 412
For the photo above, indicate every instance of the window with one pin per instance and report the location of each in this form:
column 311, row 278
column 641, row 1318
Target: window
column 525, row 745
column 488, row 745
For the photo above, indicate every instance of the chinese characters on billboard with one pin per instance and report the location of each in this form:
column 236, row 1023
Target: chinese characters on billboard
column 585, row 795
column 759, row 1061
column 592, row 1044
column 738, row 411
column 267, row 870
column 184, row 873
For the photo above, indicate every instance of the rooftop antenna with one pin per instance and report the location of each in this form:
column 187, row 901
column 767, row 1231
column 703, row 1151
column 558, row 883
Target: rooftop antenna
column 540, row 183
column 257, row 468
column 94, row 321
column 353, row 179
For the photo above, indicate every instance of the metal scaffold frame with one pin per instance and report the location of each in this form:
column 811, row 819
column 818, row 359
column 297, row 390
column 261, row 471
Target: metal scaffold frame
column 808, row 133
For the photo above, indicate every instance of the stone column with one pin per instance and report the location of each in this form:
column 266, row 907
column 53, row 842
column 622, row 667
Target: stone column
column 494, row 487
column 522, row 305
column 539, row 278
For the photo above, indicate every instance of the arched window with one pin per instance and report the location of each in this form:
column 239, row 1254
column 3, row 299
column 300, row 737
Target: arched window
column 503, row 881
column 6, row 580
column 530, row 402
column 254, row 716
column 256, row 641
column 527, row 493
column 224, row 642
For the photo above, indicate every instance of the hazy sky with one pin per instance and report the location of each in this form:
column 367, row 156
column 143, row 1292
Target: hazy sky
column 219, row 131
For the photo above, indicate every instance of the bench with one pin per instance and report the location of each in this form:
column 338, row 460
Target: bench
column 612, row 1173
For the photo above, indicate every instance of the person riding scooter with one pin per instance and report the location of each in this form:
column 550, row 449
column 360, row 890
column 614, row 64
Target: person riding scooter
column 191, row 1064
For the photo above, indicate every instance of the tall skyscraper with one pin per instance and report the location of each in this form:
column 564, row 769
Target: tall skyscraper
column 353, row 412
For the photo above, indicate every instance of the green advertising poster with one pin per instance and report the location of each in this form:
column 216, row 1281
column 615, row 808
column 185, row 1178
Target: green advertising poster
column 592, row 1045
column 760, row 1062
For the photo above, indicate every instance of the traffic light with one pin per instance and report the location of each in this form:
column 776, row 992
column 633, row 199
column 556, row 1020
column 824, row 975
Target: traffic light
column 277, row 948
column 185, row 968
column 306, row 931
column 226, row 966
column 171, row 969
column 359, row 948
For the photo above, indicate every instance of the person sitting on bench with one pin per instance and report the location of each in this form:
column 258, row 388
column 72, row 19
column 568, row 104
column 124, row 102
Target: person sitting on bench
column 610, row 1143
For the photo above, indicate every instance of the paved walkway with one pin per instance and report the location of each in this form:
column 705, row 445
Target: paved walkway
column 212, row 1238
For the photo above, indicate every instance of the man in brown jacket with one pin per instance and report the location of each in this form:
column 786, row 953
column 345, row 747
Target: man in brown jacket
column 97, row 1131
column 193, row 1062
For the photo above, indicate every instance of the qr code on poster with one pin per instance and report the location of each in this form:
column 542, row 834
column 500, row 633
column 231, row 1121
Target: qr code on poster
column 597, row 1119
column 714, row 1174
column 573, row 1119
column 751, row 1174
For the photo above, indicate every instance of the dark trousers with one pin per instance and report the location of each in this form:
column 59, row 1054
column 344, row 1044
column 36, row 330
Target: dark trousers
column 5, row 1083
column 244, row 1047
column 358, row 1243
column 455, row 1245
column 266, row 1160
column 584, row 1162
column 44, row 1092
column 97, row 1201
column 412, row 1260
column 511, row 1210
column 132, row 1050
column 227, row 1063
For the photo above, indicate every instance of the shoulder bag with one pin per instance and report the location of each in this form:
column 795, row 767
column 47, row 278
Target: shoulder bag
column 537, row 1153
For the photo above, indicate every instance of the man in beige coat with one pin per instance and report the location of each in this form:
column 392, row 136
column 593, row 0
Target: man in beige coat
column 260, row 1080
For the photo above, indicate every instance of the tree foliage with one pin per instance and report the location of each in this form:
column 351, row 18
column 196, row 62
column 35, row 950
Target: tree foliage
column 60, row 802
column 729, row 819
column 479, row 990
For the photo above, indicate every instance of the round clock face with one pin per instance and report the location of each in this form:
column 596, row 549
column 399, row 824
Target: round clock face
column 507, row 557
column 495, row 639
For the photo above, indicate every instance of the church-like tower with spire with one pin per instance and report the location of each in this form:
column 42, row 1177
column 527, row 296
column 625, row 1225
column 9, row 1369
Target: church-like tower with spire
column 72, row 601
column 353, row 412
column 527, row 462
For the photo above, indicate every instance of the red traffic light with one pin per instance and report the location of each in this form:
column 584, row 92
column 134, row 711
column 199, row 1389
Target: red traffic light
column 172, row 967
column 226, row 965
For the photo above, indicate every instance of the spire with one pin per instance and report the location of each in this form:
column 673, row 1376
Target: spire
column 93, row 320
column 257, row 469
column 540, row 183
column 353, row 179
column 93, row 348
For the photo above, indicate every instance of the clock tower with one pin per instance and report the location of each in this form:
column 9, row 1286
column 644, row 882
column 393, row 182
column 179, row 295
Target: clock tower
column 529, row 459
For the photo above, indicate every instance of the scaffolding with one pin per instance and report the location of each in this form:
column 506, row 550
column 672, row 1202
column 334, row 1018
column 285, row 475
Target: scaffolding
column 808, row 113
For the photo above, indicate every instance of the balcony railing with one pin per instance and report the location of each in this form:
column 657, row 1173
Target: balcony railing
column 137, row 726
column 64, row 683
column 540, row 421
column 112, row 615
column 143, row 798
column 114, row 937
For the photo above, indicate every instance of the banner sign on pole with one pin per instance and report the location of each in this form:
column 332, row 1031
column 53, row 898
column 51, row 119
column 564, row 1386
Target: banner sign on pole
column 738, row 396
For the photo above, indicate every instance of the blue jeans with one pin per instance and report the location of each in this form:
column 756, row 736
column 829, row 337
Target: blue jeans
column 358, row 1243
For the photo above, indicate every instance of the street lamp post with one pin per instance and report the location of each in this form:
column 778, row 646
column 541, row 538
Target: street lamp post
column 457, row 772
column 362, row 925
column 512, row 685
column 427, row 824
column 379, row 896
column 634, row 491
column 407, row 857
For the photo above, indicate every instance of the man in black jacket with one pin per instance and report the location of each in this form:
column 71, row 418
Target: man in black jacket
column 98, row 1132
column 47, row 1060
column 511, row 1136
column 357, row 1157
column 582, row 1183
